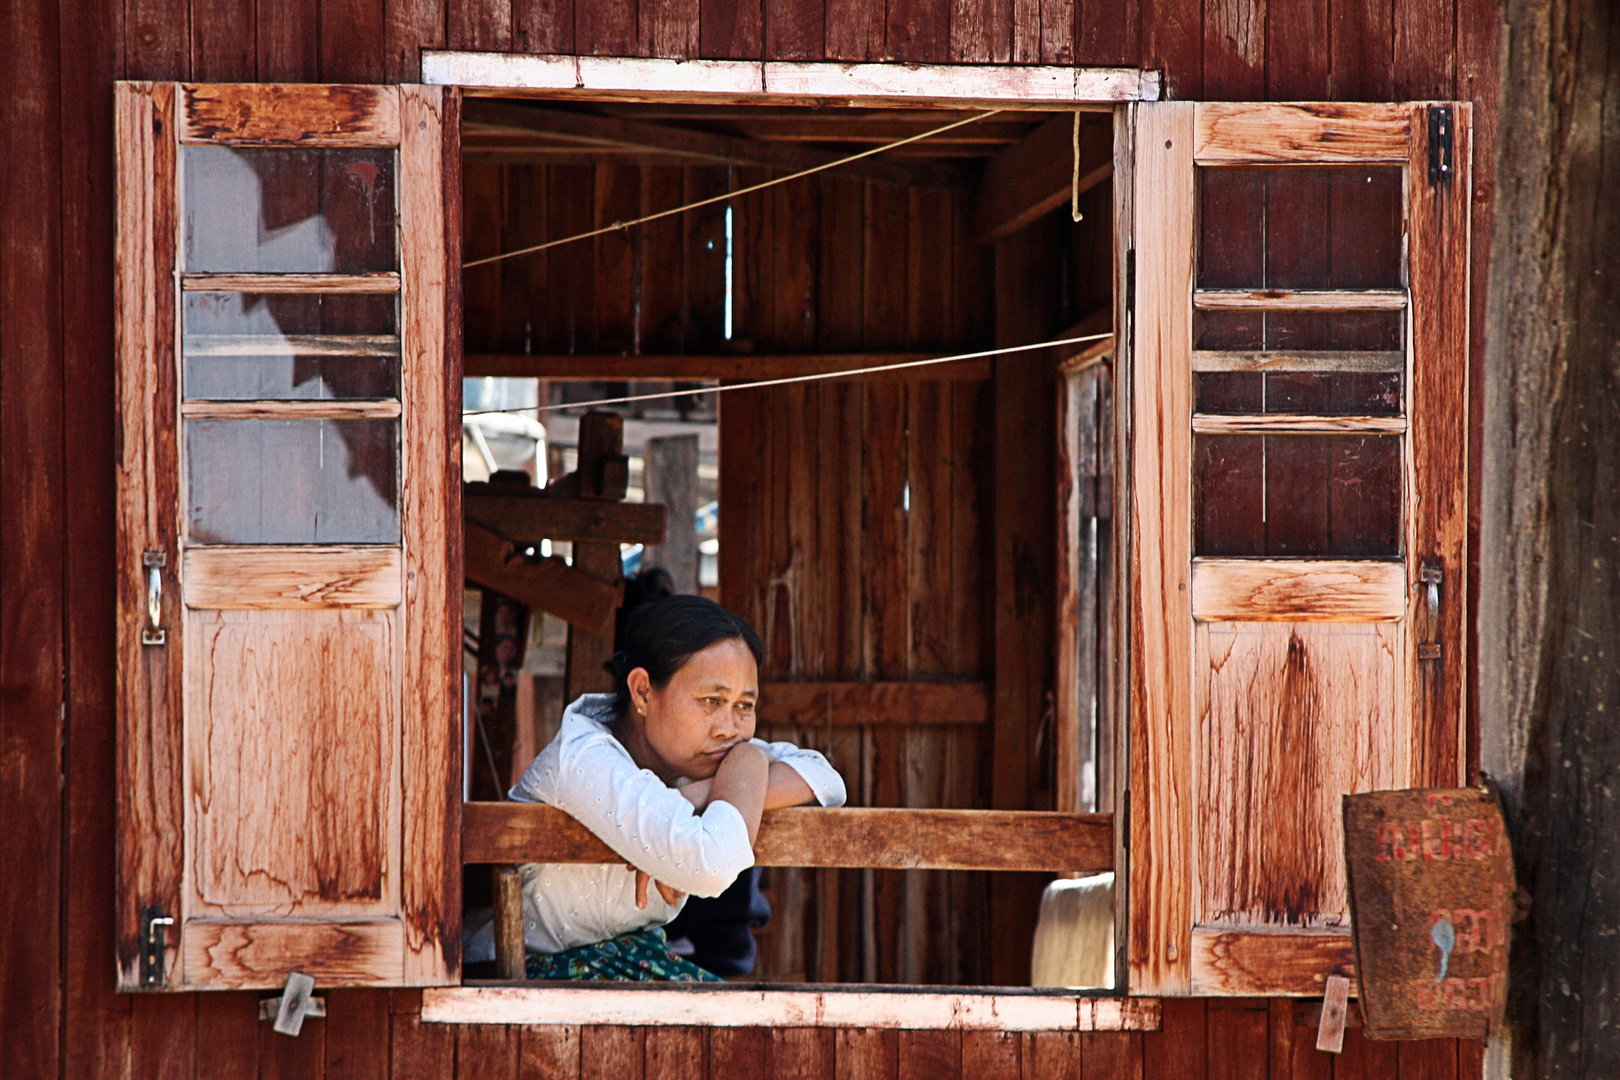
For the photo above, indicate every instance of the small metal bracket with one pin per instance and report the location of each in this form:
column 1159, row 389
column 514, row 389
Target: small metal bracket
column 153, row 941
column 270, row 1007
column 295, row 1004
column 1442, row 143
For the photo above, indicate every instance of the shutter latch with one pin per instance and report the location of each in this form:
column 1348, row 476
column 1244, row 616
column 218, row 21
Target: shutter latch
column 153, row 939
column 1430, row 577
column 1442, row 143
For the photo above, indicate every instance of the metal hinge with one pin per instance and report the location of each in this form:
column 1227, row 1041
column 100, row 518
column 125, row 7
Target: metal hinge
column 154, row 938
column 1442, row 143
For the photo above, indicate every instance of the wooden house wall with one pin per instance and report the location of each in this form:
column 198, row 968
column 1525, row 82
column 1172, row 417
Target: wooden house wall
column 59, row 1016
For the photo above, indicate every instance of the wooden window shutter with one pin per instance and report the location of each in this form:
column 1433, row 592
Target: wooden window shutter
column 288, row 535
column 1298, row 512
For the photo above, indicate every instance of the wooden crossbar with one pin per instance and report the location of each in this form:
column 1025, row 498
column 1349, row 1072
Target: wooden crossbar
column 894, row 839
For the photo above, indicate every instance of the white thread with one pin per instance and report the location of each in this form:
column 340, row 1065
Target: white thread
column 815, row 377
column 618, row 225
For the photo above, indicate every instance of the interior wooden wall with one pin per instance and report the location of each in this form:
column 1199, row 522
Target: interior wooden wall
column 59, row 1016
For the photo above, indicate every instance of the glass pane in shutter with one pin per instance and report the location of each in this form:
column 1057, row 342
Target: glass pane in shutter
column 292, row 481
column 290, row 346
column 283, row 210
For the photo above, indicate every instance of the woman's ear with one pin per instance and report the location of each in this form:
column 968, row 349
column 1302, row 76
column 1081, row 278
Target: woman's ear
column 640, row 685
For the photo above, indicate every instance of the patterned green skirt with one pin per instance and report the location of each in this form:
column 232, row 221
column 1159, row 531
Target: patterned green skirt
column 643, row 956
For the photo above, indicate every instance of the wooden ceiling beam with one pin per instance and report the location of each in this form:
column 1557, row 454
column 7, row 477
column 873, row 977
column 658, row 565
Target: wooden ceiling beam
column 1032, row 178
column 507, row 118
column 528, row 515
column 550, row 584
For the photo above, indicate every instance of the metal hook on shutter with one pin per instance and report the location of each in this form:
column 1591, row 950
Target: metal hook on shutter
column 153, row 633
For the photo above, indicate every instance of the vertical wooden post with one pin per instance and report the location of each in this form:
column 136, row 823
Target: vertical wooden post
column 670, row 478
column 509, row 952
column 603, row 474
column 1025, row 566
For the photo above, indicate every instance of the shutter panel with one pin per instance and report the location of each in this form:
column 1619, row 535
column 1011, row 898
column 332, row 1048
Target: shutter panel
column 1298, row 496
column 289, row 502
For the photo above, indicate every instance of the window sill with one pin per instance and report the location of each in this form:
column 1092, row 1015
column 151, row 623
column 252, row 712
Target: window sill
column 696, row 1004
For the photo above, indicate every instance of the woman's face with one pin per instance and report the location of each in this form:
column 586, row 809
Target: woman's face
column 706, row 709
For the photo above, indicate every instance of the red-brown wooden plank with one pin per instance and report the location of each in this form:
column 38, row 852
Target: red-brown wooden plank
column 611, row 1053
column 228, row 1034
column 1360, row 43
column 487, row 1052
column 739, row 1053
column 676, row 1053
column 289, row 41
column 993, row 1055
column 930, row 1055
column 357, row 1024
column 801, row 1054
column 31, row 538
column 669, row 28
column 794, row 29
column 730, row 29
column 1427, row 1059
column 1179, row 1049
column 411, row 26
column 918, row 31
column 480, row 25
column 606, row 28
column 419, row 1051
column 1425, row 50
column 353, row 41
column 280, row 1057
column 1111, row 1055
column 981, row 33
column 1053, row 1055
column 1105, row 32
column 1297, row 51
column 543, row 26
column 223, row 42
column 157, row 39
column 1172, row 41
column 661, row 250
column 163, row 1037
column 95, row 1025
column 549, row 1052
column 855, row 30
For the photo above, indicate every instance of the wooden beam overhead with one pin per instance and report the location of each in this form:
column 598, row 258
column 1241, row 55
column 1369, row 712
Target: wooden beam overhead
column 894, row 839
column 528, row 515
column 548, row 584
column 715, row 368
column 506, row 118
column 845, row 704
column 1031, row 178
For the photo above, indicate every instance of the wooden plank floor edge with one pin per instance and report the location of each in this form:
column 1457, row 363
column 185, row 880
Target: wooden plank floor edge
column 803, row 836
column 914, row 1008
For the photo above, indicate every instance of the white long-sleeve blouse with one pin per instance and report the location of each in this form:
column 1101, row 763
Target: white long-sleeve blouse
column 588, row 773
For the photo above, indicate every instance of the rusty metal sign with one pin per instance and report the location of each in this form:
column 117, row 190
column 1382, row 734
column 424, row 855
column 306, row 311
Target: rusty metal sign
column 1431, row 904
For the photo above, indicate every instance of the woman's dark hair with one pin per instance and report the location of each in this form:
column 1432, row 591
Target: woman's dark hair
column 664, row 634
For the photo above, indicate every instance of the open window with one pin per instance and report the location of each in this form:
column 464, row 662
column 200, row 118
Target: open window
column 1284, row 624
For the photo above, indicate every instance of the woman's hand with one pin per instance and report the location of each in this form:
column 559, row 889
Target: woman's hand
column 672, row 897
column 742, row 780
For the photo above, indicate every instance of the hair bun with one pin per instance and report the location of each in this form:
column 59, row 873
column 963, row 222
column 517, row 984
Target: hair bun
column 617, row 665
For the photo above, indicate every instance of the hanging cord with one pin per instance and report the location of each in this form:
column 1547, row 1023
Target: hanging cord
column 1074, row 174
column 785, row 380
column 620, row 225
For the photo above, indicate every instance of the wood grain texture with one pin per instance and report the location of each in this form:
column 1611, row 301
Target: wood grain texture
column 1248, row 963
column 381, row 282
column 246, row 955
column 244, row 114
column 741, row 1025
column 150, row 801
column 524, row 514
column 289, row 410
column 1036, row 175
column 430, row 720
column 1239, row 590
column 1290, row 717
column 845, row 704
column 550, row 584
column 1162, row 794
column 1437, row 526
column 291, row 578
column 331, row 776
column 853, row 837
column 1300, row 300
column 1338, row 133
column 1285, row 360
column 1277, row 424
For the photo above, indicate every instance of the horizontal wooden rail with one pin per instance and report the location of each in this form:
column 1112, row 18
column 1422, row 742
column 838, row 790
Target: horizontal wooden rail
column 1286, row 424
column 891, row 839
column 1325, row 362
column 529, row 514
column 381, row 282
column 715, row 367
column 1324, row 300
column 851, row 704
column 290, row 409
column 195, row 345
